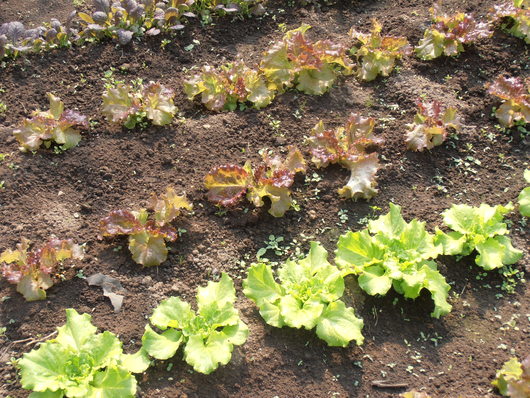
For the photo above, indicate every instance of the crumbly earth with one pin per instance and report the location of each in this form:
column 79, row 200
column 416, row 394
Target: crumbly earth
column 67, row 194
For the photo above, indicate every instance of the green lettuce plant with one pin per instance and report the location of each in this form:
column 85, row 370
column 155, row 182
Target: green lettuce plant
column 394, row 253
column 81, row 363
column 148, row 232
column 431, row 125
column 349, row 146
column 524, row 196
column 515, row 94
column 513, row 380
column 377, row 54
column 448, row 34
column 53, row 126
column 296, row 61
column 208, row 334
column 272, row 178
column 481, row 229
column 308, row 296
column 131, row 104
column 30, row 270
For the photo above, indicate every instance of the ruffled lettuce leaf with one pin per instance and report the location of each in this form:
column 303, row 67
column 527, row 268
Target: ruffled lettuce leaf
column 448, row 34
column 30, row 269
column 377, row 54
column 394, row 253
column 79, row 362
column 518, row 17
column 157, row 102
column 349, row 146
column 307, row 296
column 481, row 229
column 272, row 179
column 513, row 379
column 55, row 125
column 148, row 231
column 524, row 197
column 430, row 126
column 516, row 100
column 208, row 335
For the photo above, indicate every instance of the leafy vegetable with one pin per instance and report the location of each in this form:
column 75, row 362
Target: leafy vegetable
column 448, row 34
column 308, row 296
column 223, row 88
column 55, row 125
column 524, row 196
column 430, row 125
column 311, row 67
column 515, row 108
column 209, row 335
column 130, row 104
column 148, row 232
column 513, row 380
column 31, row 270
column 392, row 252
column 481, row 229
column 348, row 146
column 272, row 178
column 377, row 54
column 517, row 13
column 81, row 363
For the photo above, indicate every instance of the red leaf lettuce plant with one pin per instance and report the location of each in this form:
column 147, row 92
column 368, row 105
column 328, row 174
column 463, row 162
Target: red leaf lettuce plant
column 272, row 178
column 148, row 231
column 30, row 270
column 514, row 92
column 517, row 15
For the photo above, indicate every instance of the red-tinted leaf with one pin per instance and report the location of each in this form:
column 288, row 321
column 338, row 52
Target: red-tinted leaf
column 227, row 184
column 119, row 222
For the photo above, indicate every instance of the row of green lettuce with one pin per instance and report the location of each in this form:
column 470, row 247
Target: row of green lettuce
column 302, row 293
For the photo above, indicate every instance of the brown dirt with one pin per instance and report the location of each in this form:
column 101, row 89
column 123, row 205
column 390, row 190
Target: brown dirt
column 67, row 195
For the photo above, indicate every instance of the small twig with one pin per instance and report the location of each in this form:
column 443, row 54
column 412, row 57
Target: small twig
column 31, row 340
column 386, row 384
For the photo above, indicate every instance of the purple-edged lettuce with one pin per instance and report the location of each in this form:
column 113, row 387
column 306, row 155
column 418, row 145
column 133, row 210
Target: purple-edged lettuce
column 517, row 16
column 430, row 125
column 311, row 67
column 148, row 232
column 348, row 146
column 81, row 363
column 515, row 93
column 481, row 229
column 208, row 334
column 377, row 54
column 394, row 253
column 225, row 87
column 55, row 125
column 131, row 104
column 272, row 178
column 307, row 296
column 30, row 270
column 513, row 380
column 448, row 34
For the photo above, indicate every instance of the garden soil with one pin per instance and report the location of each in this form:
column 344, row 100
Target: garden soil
column 66, row 194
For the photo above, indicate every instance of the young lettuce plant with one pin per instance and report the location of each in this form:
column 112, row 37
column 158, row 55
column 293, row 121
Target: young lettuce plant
column 431, row 125
column 311, row 67
column 348, row 147
column 377, row 54
column 515, row 94
column 513, row 380
column 517, row 16
column 81, row 363
column 55, row 125
column 394, row 253
column 131, row 104
column 308, row 296
column 223, row 88
column 209, row 334
column 272, row 178
column 524, row 196
column 148, row 232
column 481, row 229
column 448, row 34
column 30, row 270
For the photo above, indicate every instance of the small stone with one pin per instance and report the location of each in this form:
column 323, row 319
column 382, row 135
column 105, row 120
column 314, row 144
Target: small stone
column 60, row 193
column 76, row 215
